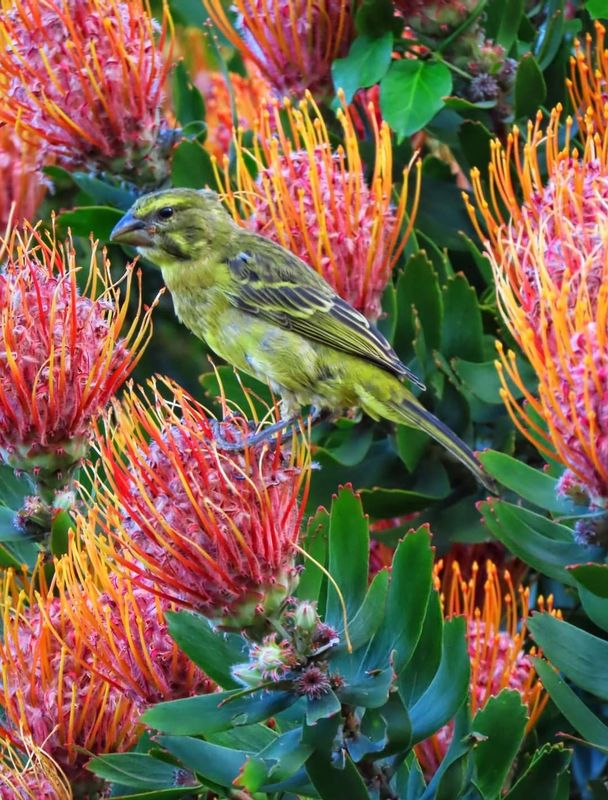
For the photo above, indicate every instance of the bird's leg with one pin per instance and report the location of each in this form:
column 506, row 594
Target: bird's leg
column 286, row 422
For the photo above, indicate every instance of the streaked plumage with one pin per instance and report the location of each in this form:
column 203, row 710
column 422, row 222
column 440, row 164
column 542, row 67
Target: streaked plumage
column 267, row 313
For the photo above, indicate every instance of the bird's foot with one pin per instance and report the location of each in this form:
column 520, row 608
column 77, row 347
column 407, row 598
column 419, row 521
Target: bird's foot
column 239, row 442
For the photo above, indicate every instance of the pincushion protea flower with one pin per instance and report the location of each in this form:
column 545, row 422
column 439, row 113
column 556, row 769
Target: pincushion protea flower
column 208, row 529
column 28, row 773
column 588, row 82
column 550, row 263
column 22, row 185
column 61, row 355
column 496, row 636
column 292, row 42
column 51, row 692
column 86, row 78
column 318, row 204
column 123, row 624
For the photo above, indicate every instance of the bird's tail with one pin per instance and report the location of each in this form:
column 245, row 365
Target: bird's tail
column 409, row 411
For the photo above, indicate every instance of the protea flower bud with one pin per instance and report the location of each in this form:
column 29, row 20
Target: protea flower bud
column 86, row 77
column 435, row 17
column 292, row 42
column 52, row 693
column 122, row 624
column 318, row 204
column 496, row 636
column 208, row 529
column 550, row 265
column 61, row 355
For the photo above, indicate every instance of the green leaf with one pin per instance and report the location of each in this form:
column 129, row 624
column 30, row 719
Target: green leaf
column 277, row 762
column 205, row 714
column 482, row 380
column 371, row 613
column 221, row 765
column 332, row 782
column 366, row 63
column 191, row 167
column 213, row 651
column 61, row 526
column 412, row 92
column 510, row 19
column 369, row 689
column 188, row 103
column 322, row 707
column 102, row 193
column 598, row 9
column 448, row 688
column 418, row 288
column 580, row 716
column 138, row 770
column 417, row 676
column 374, row 17
column 411, row 444
column 503, row 721
column 13, row 488
column 592, row 585
column 90, row 220
column 348, row 556
column 315, row 543
column 531, row 484
column 9, row 531
column 530, row 87
column 581, row 656
column 408, row 596
column 539, row 542
column 475, row 142
column 409, row 781
column 542, row 778
column 462, row 330
column 550, row 37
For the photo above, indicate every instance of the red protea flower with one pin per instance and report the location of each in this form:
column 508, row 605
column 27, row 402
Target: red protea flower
column 292, row 42
column 52, row 692
column 205, row 528
column 318, row 204
column 22, row 186
column 28, row 773
column 86, row 77
column 588, row 82
column 123, row 624
column 550, row 263
column 61, row 355
column 497, row 636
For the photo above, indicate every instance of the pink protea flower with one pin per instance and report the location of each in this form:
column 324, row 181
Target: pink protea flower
column 318, row 204
column 496, row 637
column 123, row 625
column 52, row 692
column 86, row 77
column 28, row 773
column 208, row 529
column 22, row 186
column 61, row 355
column 292, row 42
column 550, row 263
column 434, row 16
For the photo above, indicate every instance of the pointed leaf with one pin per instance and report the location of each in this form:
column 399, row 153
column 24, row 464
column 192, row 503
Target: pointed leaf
column 503, row 721
column 592, row 585
column 581, row 656
column 332, row 782
column 462, row 330
column 542, row 778
column 366, row 63
column 412, row 92
column 137, row 770
column 221, row 765
column 213, row 651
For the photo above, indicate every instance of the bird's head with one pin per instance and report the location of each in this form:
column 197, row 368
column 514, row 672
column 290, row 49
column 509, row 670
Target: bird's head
column 175, row 226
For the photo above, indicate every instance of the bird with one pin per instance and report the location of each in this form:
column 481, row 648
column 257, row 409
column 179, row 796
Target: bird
column 269, row 314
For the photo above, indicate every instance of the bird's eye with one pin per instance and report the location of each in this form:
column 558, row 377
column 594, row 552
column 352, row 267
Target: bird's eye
column 166, row 212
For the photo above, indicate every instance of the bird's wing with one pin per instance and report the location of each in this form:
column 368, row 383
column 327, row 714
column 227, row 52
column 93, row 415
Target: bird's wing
column 293, row 296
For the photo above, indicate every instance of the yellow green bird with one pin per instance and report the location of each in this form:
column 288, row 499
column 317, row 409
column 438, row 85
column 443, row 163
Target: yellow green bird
column 266, row 312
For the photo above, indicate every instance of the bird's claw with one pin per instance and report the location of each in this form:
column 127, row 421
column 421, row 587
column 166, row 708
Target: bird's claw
column 240, row 442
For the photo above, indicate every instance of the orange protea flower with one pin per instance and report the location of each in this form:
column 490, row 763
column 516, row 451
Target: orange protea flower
column 550, row 263
column 318, row 204
column 292, row 42
column 588, row 82
column 28, row 773
column 496, row 636
column 22, row 185
column 86, row 77
column 123, row 624
column 52, row 692
column 61, row 354
column 205, row 528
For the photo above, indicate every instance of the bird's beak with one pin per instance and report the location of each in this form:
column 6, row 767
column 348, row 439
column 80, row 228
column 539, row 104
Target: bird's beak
column 133, row 231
